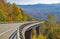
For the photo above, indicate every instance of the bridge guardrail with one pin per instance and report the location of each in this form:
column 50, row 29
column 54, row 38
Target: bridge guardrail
column 13, row 35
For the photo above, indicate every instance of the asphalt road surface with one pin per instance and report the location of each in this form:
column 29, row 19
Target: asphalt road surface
column 7, row 29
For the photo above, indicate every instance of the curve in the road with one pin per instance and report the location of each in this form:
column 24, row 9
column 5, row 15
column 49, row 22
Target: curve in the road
column 27, row 27
column 21, row 27
column 7, row 29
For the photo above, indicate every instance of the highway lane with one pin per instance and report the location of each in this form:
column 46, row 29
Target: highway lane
column 7, row 29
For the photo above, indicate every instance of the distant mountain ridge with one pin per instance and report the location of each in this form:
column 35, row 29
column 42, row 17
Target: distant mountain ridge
column 41, row 10
column 39, row 7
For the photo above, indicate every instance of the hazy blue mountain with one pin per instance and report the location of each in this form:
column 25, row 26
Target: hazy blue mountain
column 41, row 10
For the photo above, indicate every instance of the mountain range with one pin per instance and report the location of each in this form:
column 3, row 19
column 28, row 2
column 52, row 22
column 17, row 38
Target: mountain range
column 41, row 10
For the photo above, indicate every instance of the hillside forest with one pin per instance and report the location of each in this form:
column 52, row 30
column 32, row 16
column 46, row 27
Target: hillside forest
column 12, row 13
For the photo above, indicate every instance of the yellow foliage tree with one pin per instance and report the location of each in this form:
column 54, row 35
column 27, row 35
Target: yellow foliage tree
column 41, row 36
column 16, row 14
column 34, row 36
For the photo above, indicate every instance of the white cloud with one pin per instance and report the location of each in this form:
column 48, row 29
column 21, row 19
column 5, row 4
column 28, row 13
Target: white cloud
column 34, row 1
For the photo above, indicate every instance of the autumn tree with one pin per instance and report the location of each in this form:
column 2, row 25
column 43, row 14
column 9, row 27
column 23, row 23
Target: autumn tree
column 16, row 14
column 2, row 18
column 33, row 34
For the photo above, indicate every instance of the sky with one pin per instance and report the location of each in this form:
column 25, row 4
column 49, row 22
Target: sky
column 27, row 2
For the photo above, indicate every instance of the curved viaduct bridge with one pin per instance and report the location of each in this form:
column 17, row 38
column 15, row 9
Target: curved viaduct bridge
column 16, row 30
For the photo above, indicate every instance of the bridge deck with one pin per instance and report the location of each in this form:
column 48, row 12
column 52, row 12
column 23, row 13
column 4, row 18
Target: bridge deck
column 8, row 28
